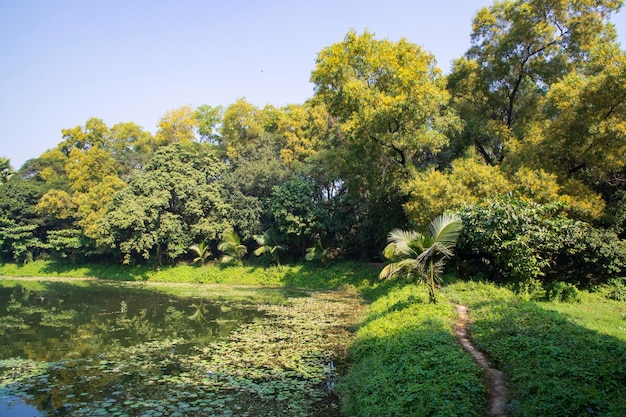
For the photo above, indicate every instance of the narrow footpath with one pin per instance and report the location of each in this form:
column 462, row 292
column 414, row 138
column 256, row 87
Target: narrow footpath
column 496, row 383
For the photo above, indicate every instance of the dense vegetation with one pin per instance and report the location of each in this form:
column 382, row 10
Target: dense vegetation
column 533, row 112
column 524, row 141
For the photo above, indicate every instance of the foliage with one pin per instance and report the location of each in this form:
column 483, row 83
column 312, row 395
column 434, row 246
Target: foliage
column 562, row 292
column 202, row 251
column 617, row 289
column 297, row 216
column 268, row 245
column 173, row 202
column 317, row 252
column 407, row 362
column 422, row 256
column 519, row 50
column 6, row 171
column 178, row 125
column 20, row 224
column 518, row 241
column 233, row 249
column 534, row 111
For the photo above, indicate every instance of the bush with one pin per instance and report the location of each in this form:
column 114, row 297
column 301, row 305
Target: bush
column 562, row 292
column 519, row 241
column 617, row 289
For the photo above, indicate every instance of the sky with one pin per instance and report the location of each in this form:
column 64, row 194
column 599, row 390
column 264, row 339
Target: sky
column 65, row 61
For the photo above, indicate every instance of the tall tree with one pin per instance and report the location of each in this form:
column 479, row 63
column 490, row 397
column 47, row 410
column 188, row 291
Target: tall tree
column 391, row 105
column 175, row 201
column 519, row 49
column 391, row 101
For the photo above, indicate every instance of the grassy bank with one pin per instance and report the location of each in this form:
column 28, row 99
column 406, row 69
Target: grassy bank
column 309, row 275
column 407, row 362
column 560, row 359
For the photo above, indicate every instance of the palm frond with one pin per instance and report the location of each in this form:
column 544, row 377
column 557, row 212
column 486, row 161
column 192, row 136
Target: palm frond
column 402, row 243
column 445, row 229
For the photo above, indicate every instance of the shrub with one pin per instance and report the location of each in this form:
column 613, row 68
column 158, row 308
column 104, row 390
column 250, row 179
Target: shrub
column 617, row 289
column 519, row 241
column 562, row 292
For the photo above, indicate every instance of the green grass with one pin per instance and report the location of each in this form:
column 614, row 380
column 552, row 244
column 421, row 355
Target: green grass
column 310, row 275
column 560, row 359
column 407, row 362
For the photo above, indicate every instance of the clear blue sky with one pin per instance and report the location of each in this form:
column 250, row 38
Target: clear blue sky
column 62, row 62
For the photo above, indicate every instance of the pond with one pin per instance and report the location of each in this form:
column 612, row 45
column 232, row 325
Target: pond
column 90, row 348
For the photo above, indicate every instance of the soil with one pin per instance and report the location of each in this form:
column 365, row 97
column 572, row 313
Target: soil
column 494, row 379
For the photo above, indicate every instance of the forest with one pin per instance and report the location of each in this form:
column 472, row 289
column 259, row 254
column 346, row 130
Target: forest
column 525, row 140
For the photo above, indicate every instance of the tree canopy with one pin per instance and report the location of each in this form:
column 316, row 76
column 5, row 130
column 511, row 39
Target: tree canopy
column 533, row 113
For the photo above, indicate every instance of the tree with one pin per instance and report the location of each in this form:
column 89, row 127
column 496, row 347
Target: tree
column 22, row 229
column 519, row 50
column 175, row 201
column 296, row 214
column 202, row 251
column 391, row 101
column 422, row 256
column 6, row 171
column 268, row 245
column 209, row 119
column 178, row 125
column 233, row 249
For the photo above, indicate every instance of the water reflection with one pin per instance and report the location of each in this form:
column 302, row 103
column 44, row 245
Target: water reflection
column 65, row 347
column 66, row 321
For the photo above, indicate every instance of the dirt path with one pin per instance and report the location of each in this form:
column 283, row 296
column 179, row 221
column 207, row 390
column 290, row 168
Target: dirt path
column 496, row 384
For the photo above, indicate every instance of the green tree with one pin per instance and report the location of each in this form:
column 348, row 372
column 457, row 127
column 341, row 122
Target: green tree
column 6, row 171
column 422, row 256
column 297, row 215
column 391, row 101
column 233, row 249
column 22, row 228
column 268, row 245
column 209, row 119
column 175, row 201
column 202, row 252
column 519, row 50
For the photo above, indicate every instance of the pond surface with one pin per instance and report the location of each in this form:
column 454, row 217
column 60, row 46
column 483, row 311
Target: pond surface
column 121, row 350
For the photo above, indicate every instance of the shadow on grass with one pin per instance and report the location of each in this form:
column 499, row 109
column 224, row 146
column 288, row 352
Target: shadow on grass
column 407, row 362
column 554, row 367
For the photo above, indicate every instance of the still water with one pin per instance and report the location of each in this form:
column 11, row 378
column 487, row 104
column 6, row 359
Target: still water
column 109, row 349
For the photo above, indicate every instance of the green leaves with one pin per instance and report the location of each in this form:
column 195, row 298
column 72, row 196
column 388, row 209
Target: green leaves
column 519, row 241
column 175, row 201
column 233, row 250
column 421, row 256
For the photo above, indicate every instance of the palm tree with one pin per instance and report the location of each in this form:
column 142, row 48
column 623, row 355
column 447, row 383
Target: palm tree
column 233, row 250
column 267, row 244
column 203, row 252
column 317, row 252
column 422, row 256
